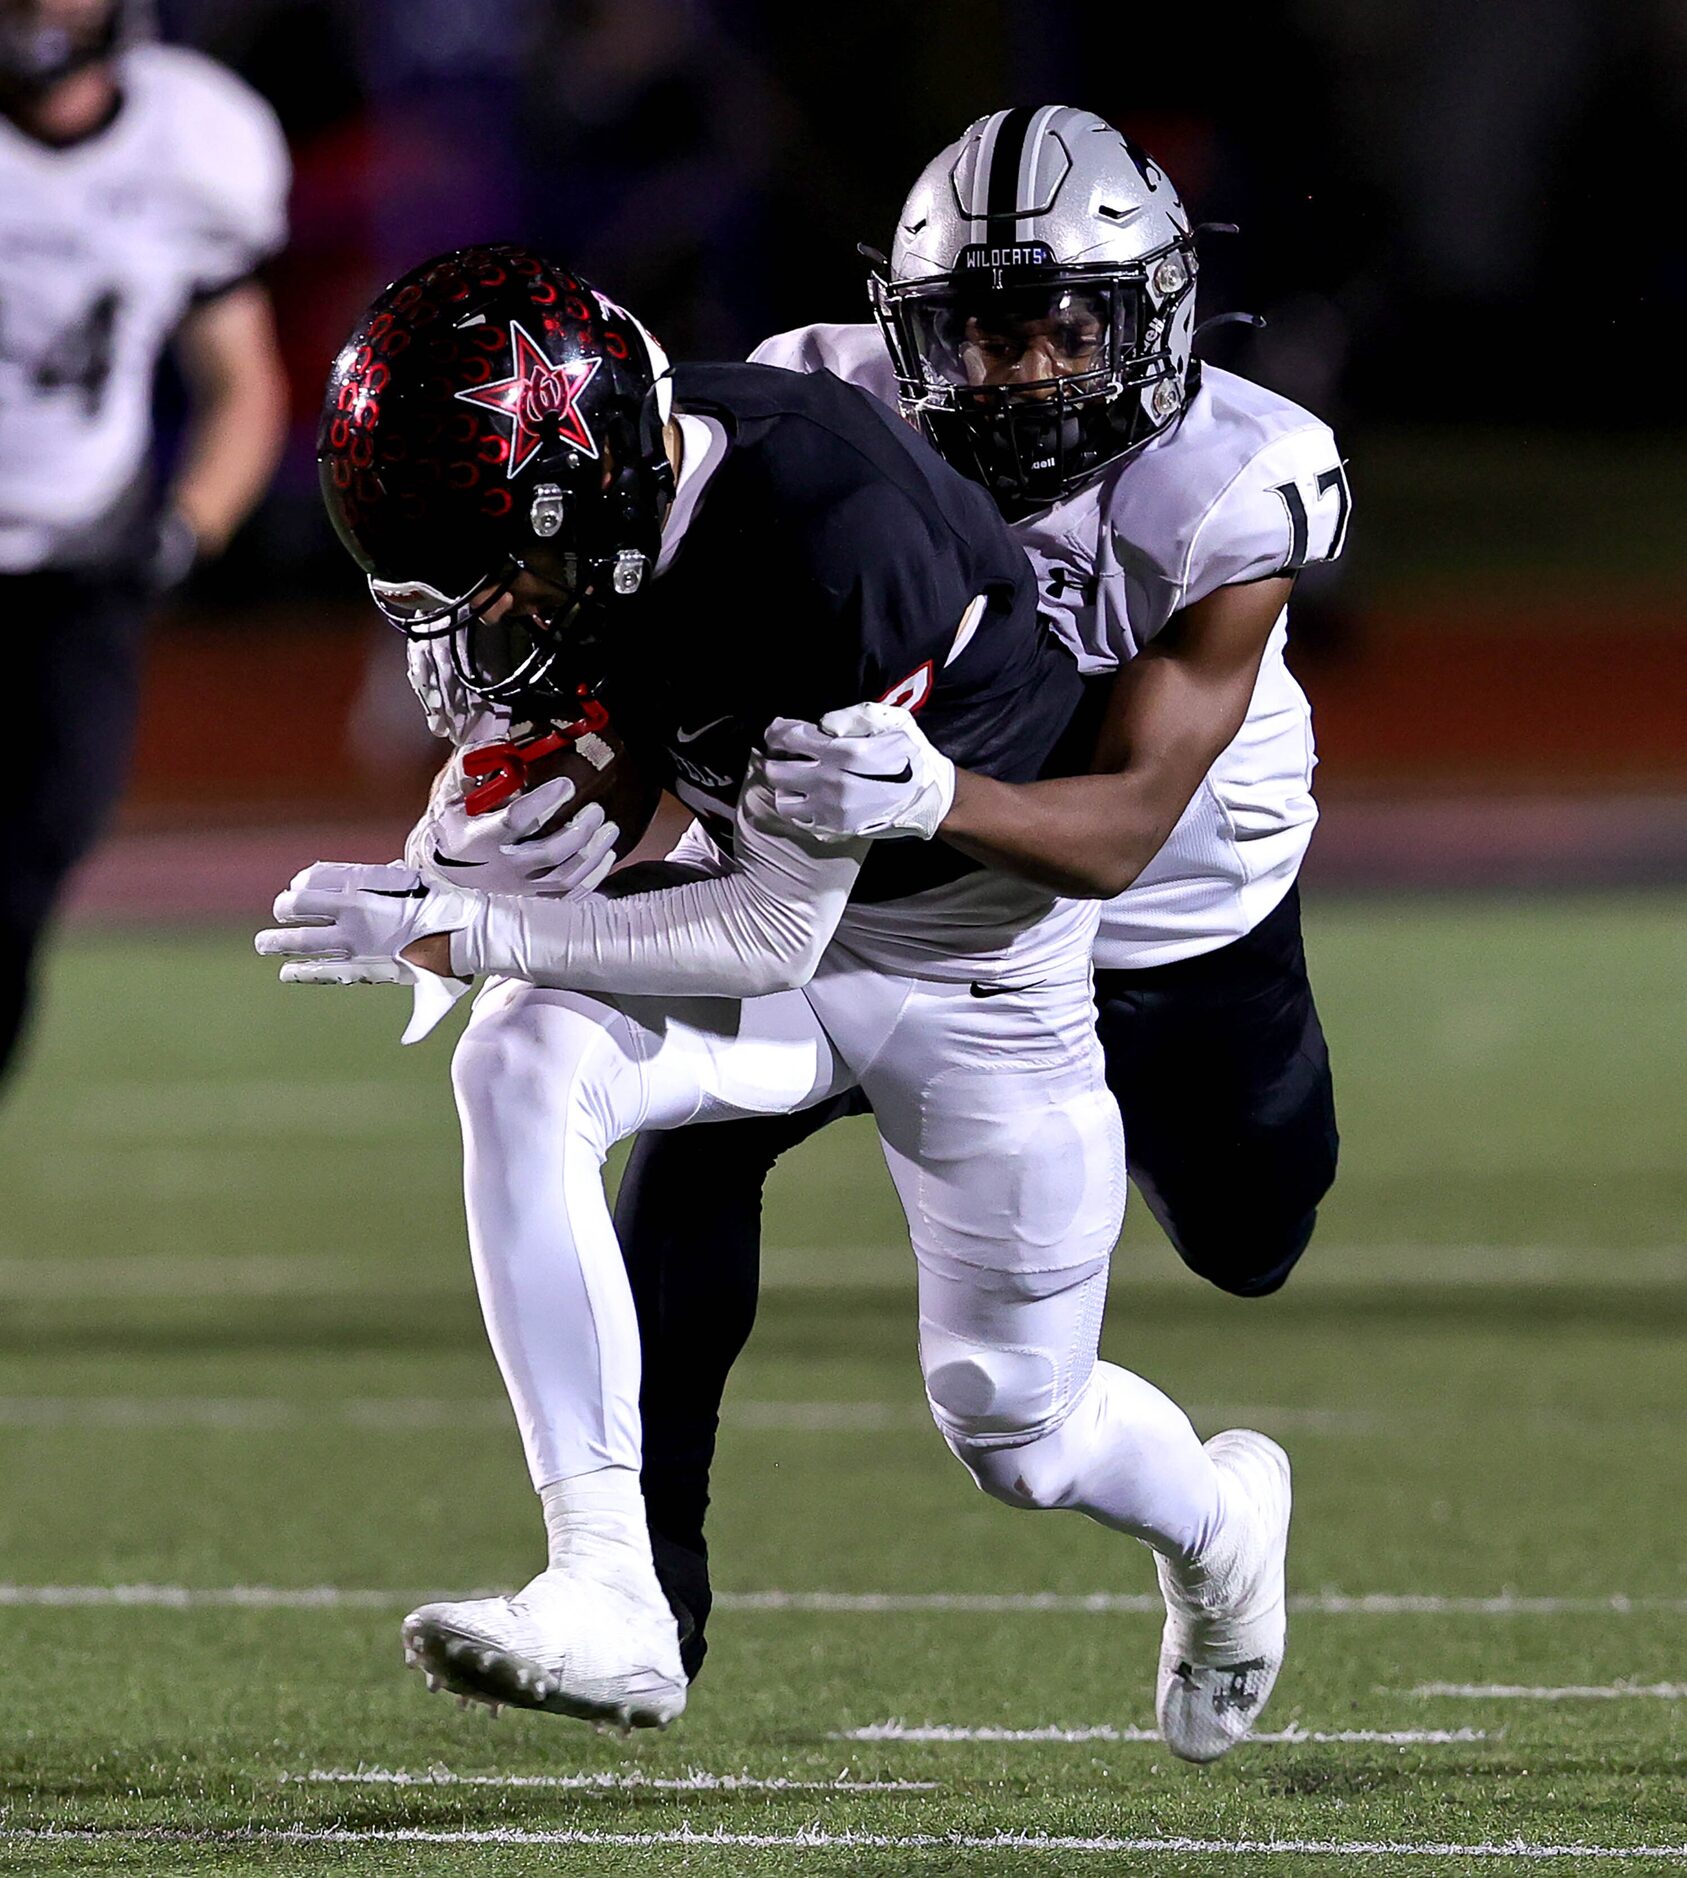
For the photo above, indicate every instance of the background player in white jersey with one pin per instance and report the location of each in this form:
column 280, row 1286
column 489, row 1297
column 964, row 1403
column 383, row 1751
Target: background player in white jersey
column 140, row 187
column 1035, row 320
column 500, row 454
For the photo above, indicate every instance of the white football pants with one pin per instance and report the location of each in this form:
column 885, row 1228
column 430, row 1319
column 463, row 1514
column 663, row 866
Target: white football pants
column 1004, row 1145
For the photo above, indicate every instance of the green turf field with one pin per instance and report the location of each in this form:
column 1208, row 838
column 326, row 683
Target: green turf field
column 241, row 1350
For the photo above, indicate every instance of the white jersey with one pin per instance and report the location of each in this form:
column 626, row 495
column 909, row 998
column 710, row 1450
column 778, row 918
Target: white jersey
column 104, row 245
column 1246, row 486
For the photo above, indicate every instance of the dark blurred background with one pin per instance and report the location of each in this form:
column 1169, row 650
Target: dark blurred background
column 1458, row 216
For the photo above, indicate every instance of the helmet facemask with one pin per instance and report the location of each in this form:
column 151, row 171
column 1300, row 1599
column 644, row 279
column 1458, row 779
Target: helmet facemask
column 537, row 625
column 40, row 47
column 1034, row 379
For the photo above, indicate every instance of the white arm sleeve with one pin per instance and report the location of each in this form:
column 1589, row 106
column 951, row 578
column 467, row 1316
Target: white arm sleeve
column 759, row 929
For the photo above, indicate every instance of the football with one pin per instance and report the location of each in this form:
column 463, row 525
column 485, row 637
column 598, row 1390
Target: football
column 589, row 752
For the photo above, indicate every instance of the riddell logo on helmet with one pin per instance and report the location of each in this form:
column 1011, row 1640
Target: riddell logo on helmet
column 536, row 391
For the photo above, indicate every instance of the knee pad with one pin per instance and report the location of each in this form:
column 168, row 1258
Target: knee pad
column 1001, row 1414
column 493, row 1053
column 989, row 1395
column 1002, row 1411
column 537, row 1060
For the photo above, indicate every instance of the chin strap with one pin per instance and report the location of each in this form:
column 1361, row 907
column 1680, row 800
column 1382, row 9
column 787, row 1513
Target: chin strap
column 1254, row 320
column 501, row 771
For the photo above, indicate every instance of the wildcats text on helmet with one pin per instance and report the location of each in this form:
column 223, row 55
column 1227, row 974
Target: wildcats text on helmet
column 1018, row 254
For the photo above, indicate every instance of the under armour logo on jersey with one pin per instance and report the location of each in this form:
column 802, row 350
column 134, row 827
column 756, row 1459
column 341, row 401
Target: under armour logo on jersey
column 534, row 392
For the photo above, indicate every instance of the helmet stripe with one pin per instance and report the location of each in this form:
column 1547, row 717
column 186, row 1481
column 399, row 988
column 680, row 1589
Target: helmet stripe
column 977, row 201
column 1002, row 196
column 1029, row 189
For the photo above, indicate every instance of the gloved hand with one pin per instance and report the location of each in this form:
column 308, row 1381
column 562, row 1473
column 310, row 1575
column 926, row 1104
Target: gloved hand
column 505, row 852
column 343, row 923
column 867, row 770
column 451, row 709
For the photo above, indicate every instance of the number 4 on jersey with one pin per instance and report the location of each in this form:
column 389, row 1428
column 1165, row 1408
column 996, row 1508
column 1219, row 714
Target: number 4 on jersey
column 79, row 356
column 1331, row 481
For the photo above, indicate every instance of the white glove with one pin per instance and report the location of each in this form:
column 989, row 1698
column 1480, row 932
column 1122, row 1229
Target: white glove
column 342, row 923
column 867, row 770
column 452, row 710
column 503, row 852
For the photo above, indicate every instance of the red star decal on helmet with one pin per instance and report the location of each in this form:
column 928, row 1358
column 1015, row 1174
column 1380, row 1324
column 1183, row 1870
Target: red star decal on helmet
column 534, row 391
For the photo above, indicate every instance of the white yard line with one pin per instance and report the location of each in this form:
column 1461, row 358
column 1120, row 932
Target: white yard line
column 824, row 1418
column 263, row 1110
column 816, row 1840
column 340, row 1271
column 857, row 1603
column 206, row 1597
column 1569, row 1692
column 1106, row 1731
column 259, row 1413
column 171, row 1275
column 1110, row 1603
column 267, row 1278
column 694, row 1782
column 263, row 1413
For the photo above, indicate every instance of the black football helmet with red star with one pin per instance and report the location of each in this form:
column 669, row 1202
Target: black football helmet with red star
column 493, row 416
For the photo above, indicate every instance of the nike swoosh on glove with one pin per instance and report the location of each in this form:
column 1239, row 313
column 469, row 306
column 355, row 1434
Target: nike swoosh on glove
column 345, row 923
column 505, row 851
column 867, row 770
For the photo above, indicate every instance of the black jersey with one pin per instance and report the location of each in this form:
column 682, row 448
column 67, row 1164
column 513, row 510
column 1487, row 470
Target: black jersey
column 831, row 560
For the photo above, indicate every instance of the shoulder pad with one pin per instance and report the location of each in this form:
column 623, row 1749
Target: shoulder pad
column 855, row 354
column 231, row 162
column 1287, row 507
column 1249, row 485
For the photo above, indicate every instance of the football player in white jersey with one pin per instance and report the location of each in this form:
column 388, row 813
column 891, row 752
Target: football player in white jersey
column 140, row 188
column 1035, row 319
column 526, row 483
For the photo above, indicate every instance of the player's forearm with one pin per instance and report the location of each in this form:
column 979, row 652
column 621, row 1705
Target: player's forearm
column 231, row 453
column 1087, row 837
column 757, row 930
column 238, row 420
column 1172, row 712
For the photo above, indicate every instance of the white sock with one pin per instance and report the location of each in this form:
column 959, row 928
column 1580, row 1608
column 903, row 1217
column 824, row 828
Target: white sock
column 1143, row 1469
column 594, row 1525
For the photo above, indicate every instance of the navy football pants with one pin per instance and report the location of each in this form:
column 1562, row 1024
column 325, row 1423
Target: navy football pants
column 73, row 672
column 1223, row 1079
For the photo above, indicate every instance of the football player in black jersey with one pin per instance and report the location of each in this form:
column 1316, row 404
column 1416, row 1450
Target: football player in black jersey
column 702, row 552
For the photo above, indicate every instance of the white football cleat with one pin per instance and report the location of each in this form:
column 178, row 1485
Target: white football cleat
column 568, row 1643
column 1226, row 1614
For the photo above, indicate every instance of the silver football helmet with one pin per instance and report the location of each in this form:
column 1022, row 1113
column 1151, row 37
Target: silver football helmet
column 1039, row 302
